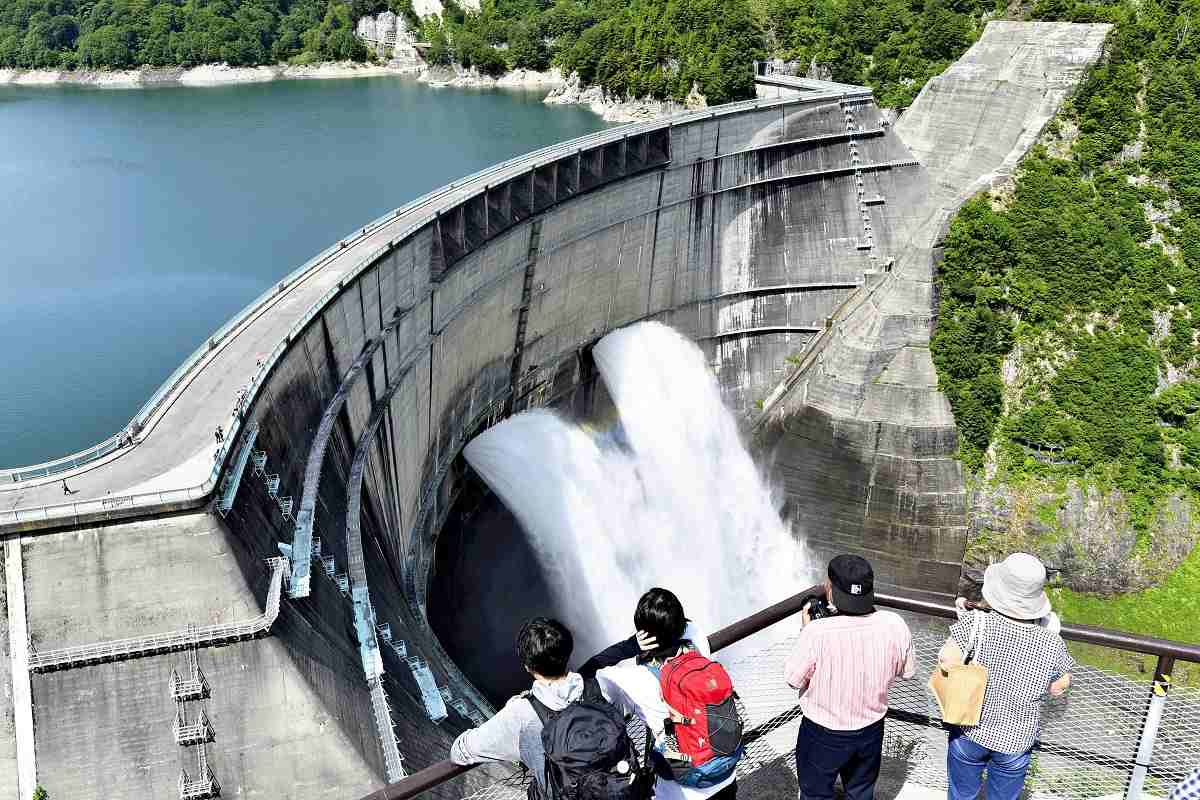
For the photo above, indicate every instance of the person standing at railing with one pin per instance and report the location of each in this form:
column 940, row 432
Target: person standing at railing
column 1024, row 660
column 663, row 634
column 846, row 658
column 559, row 726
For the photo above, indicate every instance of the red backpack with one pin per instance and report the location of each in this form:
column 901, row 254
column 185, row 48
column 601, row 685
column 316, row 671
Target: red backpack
column 710, row 734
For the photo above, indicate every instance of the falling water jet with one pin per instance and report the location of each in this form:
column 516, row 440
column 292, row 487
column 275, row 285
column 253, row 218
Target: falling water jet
column 671, row 498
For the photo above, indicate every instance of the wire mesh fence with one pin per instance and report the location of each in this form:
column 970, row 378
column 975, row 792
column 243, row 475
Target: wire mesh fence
column 1086, row 750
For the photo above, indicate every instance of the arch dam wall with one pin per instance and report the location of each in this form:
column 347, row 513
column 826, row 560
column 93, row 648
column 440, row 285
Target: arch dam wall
column 791, row 237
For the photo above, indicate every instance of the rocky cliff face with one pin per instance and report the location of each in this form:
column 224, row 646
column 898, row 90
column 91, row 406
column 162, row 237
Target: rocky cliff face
column 1085, row 534
column 614, row 109
column 388, row 36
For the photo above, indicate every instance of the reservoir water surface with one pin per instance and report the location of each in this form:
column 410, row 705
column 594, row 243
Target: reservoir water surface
column 133, row 223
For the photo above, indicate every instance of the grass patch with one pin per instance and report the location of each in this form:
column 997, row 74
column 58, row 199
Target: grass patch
column 1170, row 610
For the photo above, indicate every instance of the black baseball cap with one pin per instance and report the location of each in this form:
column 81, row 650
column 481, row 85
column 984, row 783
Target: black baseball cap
column 853, row 583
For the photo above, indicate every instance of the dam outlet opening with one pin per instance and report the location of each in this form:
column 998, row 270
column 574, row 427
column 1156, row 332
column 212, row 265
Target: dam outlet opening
column 652, row 485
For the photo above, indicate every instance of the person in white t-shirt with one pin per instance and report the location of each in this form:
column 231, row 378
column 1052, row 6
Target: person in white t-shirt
column 663, row 631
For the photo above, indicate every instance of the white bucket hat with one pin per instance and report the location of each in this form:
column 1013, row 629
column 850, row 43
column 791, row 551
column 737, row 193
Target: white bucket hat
column 1015, row 587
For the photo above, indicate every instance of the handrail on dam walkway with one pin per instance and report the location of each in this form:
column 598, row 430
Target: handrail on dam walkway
column 191, row 637
column 1110, row 736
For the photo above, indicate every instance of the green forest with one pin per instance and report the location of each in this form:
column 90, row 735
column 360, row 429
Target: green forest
column 655, row 48
column 1069, row 310
column 89, row 34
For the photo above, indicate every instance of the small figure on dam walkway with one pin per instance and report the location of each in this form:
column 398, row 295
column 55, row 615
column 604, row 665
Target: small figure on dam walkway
column 219, row 434
column 68, row 489
column 846, row 658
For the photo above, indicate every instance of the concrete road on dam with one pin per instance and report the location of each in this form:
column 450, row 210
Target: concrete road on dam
column 178, row 449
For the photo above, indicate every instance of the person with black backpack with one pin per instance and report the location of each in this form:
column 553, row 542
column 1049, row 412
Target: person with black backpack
column 686, row 700
column 564, row 729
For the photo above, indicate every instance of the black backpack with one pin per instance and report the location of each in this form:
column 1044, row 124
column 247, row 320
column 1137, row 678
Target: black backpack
column 589, row 755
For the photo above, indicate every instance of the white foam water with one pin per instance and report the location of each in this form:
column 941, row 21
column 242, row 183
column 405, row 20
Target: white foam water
column 669, row 498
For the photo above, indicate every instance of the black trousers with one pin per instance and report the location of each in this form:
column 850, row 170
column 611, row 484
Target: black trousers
column 728, row 793
column 822, row 755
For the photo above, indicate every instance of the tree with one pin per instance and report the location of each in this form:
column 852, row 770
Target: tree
column 945, row 33
column 107, row 46
column 526, row 50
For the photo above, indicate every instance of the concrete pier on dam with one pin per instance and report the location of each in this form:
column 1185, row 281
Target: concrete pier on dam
column 258, row 618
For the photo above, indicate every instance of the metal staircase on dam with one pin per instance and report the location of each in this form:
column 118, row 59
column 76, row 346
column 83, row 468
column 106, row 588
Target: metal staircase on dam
column 193, row 730
column 204, row 784
column 193, row 687
column 431, row 694
column 372, row 666
column 392, row 760
column 867, row 243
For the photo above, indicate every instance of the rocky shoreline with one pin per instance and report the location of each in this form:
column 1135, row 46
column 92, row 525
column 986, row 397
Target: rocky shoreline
column 203, row 75
column 613, row 109
column 566, row 90
column 562, row 90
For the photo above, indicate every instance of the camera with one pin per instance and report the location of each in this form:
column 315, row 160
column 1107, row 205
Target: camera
column 818, row 606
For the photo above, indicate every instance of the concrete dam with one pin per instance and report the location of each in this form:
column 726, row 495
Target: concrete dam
column 290, row 613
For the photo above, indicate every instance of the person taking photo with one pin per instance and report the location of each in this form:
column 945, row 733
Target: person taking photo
column 843, row 664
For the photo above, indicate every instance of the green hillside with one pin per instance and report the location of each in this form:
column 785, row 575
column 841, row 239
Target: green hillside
column 1069, row 306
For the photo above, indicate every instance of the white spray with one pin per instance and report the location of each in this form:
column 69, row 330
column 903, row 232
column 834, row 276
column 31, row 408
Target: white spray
column 671, row 498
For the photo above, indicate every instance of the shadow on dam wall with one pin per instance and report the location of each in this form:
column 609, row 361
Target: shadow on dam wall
column 487, row 582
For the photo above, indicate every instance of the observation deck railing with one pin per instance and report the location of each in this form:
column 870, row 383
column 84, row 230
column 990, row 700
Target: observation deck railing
column 406, row 221
column 1110, row 736
column 191, row 637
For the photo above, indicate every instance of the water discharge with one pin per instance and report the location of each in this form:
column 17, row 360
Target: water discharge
column 669, row 497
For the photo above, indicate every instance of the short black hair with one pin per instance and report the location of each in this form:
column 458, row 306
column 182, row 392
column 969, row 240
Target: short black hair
column 660, row 614
column 545, row 646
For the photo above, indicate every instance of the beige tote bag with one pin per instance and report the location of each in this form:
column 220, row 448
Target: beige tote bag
column 959, row 690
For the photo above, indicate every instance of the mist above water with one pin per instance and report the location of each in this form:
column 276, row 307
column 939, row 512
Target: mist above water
column 668, row 497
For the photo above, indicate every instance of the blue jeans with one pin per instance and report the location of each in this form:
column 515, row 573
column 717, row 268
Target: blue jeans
column 966, row 760
column 822, row 755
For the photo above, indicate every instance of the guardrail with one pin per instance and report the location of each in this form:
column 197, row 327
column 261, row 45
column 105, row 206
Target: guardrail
column 409, row 218
column 193, row 636
column 1102, row 756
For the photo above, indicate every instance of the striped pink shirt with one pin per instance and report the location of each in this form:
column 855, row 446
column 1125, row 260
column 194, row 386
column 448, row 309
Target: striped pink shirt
column 844, row 665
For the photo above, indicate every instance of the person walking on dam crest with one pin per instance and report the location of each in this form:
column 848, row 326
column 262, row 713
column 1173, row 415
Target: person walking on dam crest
column 846, row 658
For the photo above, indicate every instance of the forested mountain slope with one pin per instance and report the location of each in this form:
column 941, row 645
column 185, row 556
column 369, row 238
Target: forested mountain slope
column 655, row 48
column 1068, row 329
